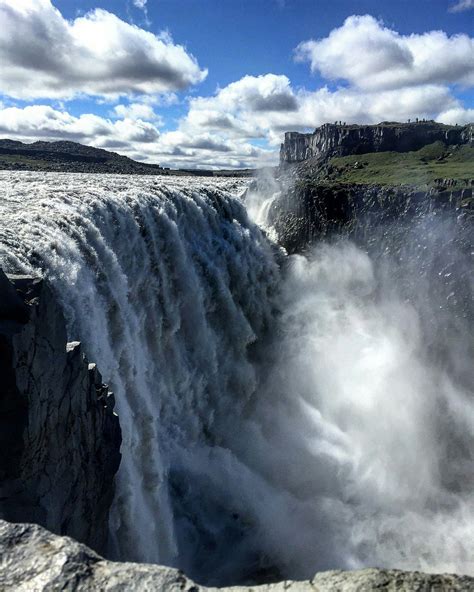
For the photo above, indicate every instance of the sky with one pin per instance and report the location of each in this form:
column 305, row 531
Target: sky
column 216, row 83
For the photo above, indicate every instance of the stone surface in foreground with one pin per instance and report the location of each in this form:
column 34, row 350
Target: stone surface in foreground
column 34, row 560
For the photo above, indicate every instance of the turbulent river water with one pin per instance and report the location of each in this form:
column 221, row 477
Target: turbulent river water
column 280, row 415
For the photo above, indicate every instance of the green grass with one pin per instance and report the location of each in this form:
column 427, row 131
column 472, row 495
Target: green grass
column 420, row 168
column 35, row 163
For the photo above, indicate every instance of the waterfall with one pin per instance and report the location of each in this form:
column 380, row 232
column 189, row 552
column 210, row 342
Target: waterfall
column 280, row 416
column 168, row 285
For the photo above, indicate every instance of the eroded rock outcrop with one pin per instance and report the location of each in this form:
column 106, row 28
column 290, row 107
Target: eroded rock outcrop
column 35, row 560
column 58, row 433
column 307, row 212
column 340, row 139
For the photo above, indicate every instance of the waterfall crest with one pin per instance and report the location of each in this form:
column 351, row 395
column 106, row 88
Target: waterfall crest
column 275, row 421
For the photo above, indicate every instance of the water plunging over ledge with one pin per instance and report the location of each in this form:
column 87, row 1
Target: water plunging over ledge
column 279, row 416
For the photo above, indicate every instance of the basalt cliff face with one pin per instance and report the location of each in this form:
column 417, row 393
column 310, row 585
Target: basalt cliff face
column 306, row 212
column 341, row 139
column 34, row 559
column 325, row 189
column 59, row 435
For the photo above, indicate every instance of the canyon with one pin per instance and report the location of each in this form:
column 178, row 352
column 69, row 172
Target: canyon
column 207, row 331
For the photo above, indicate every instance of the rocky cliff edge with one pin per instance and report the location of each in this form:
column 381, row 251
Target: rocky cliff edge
column 58, row 433
column 338, row 139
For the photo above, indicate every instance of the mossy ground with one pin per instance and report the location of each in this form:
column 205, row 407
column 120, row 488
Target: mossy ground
column 32, row 163
column 421, row 168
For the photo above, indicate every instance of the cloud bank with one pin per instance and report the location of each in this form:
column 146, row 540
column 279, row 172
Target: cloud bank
column 45, row 56
column 372, row 57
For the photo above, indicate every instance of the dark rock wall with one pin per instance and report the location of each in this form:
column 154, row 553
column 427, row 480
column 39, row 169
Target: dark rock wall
column 59, row 436
column 307, row 212
column 341, row 140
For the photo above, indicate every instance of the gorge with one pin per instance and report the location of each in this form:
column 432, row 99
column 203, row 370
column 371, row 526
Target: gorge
column 293, row 396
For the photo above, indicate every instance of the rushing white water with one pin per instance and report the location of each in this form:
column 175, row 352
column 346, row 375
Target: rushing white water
column 275, row 422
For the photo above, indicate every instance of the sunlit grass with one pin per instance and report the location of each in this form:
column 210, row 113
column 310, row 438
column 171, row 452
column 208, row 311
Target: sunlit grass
column 421, row 168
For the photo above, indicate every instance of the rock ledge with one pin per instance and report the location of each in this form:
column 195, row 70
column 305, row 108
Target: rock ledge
column 35, row 560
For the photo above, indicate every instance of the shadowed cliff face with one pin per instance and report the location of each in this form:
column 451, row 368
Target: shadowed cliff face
column 59, row 436
column 304, row 213
column 331, row 139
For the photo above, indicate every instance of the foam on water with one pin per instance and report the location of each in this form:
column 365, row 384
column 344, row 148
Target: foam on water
column 276, row 421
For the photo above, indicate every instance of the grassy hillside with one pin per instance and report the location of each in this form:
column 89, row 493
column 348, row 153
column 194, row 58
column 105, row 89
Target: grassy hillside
column 425, row 167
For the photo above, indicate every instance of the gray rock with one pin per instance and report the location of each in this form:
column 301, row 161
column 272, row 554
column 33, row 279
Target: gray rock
column 308, row 211
column 59, row 437
column 34, row 560
column 332, row 139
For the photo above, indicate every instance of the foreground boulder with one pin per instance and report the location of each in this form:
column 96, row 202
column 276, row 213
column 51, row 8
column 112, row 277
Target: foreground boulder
column 59, row 436
column 35, row 560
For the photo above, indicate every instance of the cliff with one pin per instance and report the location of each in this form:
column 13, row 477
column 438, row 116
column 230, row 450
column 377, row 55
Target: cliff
column 307, row 212
column 341, row 140
column 34, row 559
column 56, row 420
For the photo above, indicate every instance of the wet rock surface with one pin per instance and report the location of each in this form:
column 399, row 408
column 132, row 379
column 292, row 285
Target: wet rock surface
column 307, row 212
column 59, row 435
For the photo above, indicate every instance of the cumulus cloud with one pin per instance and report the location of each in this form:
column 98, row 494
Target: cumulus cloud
column 456, row 115
column 42, row 121
column 141, row 4
column 373, row 57
column 244, row 108
column 230, row 129
column 44, row 55
column 386, row 76
column 132, row 137
column 230, row 113
column 462, row 5
column 138, row 111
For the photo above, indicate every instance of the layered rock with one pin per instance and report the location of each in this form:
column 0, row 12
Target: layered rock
column 34, row 559
column 307, row 212
column 59, row 434
column 341, row 140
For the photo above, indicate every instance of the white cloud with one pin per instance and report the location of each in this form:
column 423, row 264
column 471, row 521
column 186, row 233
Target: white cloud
column 242, row 124
column 231, row 114
column 373, row 57
column 456, row 115
column 135, row 138
column 222, row 130
column 138, row 111
column 234, row 118
column 462, row 5
column 42, row 121
column 44, row 55
column 141, row 4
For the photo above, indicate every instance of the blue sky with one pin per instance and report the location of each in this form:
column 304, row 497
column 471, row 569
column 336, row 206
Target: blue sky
column 215, row 83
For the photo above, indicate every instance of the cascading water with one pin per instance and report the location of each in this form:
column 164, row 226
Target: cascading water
column 276, row 422
column 168, row 286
